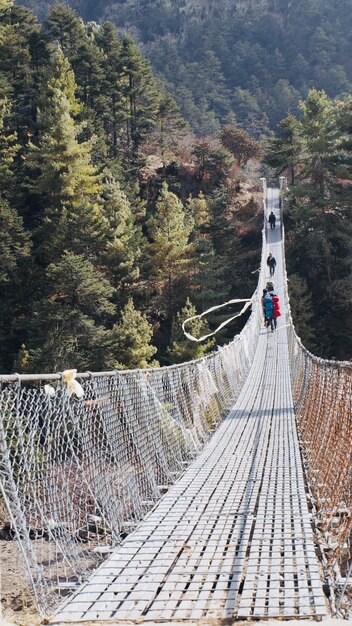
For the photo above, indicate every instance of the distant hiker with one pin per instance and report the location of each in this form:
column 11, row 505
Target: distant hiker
column 270, row 287
column 263, row 305
column 269, row 311
column 271, row 262
column 276, row 304
column 272, row 220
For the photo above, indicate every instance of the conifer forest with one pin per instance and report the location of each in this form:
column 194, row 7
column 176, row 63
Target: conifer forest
column 133, row 135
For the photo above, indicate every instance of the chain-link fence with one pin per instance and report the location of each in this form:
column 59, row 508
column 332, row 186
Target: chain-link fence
column 322, row 393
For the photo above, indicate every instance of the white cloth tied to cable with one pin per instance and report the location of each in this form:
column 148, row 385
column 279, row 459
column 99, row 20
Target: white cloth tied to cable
column 247, row 301
column 73, row 386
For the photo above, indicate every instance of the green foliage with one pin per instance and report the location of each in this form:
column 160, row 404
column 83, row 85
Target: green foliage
column 208, row 277
column 67, row 329
column 23, row 54
column 100, row 200
column 256, row 59
column 140, row 94
column 317, row 156
column 66, row 28
column 199, row 212
column 131, row 339
column 169, row 250
column 61, row 178
column 14, row 242
column 320, row 133
column 286, row 152
column 122, row 236
column 169, row 124
column 8, row 149
column 183, row 349
column 110, row 105
column 221, row 229
column 14, row 279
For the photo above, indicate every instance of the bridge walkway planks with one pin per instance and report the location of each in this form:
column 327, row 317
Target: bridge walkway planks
column 232, row 538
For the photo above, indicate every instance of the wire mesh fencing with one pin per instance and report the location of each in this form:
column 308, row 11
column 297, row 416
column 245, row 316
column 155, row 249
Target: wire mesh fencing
column 322, row 393
column 77, row 474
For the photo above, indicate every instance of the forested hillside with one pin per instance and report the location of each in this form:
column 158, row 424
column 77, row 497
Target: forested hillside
column 115, row 222
column 244, row 58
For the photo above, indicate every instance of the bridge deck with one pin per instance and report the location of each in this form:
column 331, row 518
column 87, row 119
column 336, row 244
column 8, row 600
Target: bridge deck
column 233, row 537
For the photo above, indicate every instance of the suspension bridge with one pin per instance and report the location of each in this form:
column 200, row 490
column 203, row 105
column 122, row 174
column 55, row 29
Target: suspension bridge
column 181, row 493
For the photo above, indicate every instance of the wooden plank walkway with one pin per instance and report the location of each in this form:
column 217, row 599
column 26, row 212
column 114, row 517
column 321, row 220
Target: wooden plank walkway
column 232, row 538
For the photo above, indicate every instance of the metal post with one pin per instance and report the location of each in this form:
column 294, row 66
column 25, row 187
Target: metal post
column 265, row 191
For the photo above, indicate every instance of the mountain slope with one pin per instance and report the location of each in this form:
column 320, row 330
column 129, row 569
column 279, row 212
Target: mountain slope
column 251, row 59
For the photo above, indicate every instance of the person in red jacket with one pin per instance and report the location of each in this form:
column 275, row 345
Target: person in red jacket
column 277, row 312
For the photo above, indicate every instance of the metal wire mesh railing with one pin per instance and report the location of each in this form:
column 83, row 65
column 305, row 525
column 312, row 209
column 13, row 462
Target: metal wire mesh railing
column 322, row 393
column 78, row 473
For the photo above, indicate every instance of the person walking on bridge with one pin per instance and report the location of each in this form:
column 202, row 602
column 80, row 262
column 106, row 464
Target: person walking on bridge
column 272, row 220
column 271, row 262
column 269, row 311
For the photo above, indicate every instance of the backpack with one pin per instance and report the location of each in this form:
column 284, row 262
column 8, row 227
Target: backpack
column 276, row 302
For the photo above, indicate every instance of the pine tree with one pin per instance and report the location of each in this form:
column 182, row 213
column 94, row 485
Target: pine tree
column 14, row 242
column 111, row 107
column 182, row 349
column 311, row 209
column 89, row 74
column 8, row 149
column 199, row 212
column 207, row 279
column 15, row 274
column 62, row 180
column 65, row 27
column 221, row 230
column 320, row 134
column 169, row 251
column 68, row 328
column 286, row 153
column 169, row 124
column 131, row 339
column 208, row 284
column 122, row 236
column 23, row 54
column 342, row 160
column 141, row 97
column 60, row 78
column 79, row 45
